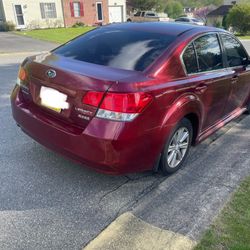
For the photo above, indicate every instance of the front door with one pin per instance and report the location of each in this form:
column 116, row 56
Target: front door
column 19, row 16
column 99, row 12
column 240, row 74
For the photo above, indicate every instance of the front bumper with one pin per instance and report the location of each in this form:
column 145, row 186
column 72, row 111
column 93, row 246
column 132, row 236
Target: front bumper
column 107, row 146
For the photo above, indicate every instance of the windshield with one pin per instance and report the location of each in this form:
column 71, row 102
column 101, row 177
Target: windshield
column 118, row 48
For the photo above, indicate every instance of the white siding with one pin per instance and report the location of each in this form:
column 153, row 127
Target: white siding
column 32, row 13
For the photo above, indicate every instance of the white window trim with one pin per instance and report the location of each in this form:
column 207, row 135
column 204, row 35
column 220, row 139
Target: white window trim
column 55, row 11
column 79, row 4
column 99, row 20
column 14, row 9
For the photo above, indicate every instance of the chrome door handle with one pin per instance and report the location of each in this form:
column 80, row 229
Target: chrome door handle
column 201, row 88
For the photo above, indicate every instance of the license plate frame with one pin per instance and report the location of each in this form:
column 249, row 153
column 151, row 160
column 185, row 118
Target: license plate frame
column 53, row 99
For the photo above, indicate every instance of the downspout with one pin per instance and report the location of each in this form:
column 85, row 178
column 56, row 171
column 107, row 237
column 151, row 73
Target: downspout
column 64, row 22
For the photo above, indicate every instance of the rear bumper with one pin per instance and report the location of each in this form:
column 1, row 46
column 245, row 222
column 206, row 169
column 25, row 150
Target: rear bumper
column 107, row 146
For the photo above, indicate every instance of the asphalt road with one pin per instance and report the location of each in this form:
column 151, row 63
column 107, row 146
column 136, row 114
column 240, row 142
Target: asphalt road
column 11, row 43
column 48, row 202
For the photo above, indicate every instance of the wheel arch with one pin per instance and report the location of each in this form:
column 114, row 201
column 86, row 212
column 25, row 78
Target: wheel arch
column 194, row 119
column 189, row 107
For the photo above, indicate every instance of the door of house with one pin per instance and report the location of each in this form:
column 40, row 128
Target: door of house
column 19, row 16
column 115, row 14
column 99, row 11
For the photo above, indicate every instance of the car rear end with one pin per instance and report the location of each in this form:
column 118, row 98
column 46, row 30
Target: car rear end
column 70, row 106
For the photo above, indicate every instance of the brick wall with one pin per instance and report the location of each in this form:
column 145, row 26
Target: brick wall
column 89, row 12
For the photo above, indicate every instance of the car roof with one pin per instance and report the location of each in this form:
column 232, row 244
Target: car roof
column 170, row 28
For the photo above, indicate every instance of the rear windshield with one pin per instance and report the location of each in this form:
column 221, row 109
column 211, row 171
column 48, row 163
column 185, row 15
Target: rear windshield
column 118, row 48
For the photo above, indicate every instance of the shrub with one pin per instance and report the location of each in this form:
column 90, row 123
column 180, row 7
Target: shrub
column 78, row 24
column 239, row 18
column 7, row 26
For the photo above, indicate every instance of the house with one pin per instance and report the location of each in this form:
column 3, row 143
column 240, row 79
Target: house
column 117, row 11
column 89, row 12
column 217, row 16
column 32, row 14
column 189, row 11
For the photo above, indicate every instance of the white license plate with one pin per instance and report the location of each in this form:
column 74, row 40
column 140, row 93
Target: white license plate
column 53, row 99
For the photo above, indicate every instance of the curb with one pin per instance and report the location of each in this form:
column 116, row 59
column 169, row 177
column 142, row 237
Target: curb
column 22, row 53
column 129, row 232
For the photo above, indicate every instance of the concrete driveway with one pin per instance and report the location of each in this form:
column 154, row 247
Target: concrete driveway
column 48, row 202
column 11, row 43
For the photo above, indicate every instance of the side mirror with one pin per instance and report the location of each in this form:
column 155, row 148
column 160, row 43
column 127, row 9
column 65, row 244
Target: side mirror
column 246, row 61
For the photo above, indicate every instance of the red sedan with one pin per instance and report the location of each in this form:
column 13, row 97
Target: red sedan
column 133, row 97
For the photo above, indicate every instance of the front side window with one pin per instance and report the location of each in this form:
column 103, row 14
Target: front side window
column 77, row 9
column 234, row 51
column 118, row 48
column 189, row 59
column 48, row 10
column 209, row 53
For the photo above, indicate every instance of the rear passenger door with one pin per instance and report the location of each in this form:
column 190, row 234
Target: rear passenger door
column 205, row 66
column 236, row 57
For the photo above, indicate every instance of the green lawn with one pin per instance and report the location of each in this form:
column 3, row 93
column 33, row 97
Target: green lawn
column 244, row 37
column 231, row 230
column 59, row 35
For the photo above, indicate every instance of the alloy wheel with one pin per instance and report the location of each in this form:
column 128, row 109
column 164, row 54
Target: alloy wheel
column 178, row 146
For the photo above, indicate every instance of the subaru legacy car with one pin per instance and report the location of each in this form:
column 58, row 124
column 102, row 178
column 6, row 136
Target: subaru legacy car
column 132, row 97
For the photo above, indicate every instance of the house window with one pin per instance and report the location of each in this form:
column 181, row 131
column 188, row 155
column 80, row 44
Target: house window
column 48, row 10
column 99, row 11
column 77, row 9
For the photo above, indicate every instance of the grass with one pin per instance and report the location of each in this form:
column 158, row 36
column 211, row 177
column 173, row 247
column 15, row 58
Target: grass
column 244, row 37
column 59, row 35
column 231, row 230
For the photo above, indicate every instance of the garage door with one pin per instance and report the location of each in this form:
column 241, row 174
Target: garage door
column 115, row 14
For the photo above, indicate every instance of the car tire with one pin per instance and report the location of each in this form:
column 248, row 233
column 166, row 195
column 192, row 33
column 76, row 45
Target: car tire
column 176, row 148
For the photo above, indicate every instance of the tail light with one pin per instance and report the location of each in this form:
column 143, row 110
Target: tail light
column 118, row 106
column 22, row 75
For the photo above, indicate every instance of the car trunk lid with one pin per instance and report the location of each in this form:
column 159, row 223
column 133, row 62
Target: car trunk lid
column 72, row 79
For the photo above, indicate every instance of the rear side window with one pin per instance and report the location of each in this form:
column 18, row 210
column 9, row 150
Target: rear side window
column 189, row 59
column 118, row 48
column 209, row 53
column 234, row 51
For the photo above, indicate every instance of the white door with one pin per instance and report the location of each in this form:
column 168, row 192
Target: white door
column 115, row 14
column 19, row 16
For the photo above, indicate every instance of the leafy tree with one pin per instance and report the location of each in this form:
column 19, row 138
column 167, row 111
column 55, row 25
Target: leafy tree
column 174, row 9
column 146, row 4
column 239, row 18
column 200, row 3
column 202, row 13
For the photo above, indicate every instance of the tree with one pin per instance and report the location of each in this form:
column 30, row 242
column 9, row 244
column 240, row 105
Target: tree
column 239, row 18
column 202, row 13
column 174, row 9
column 146, row 4
column 200, row 3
